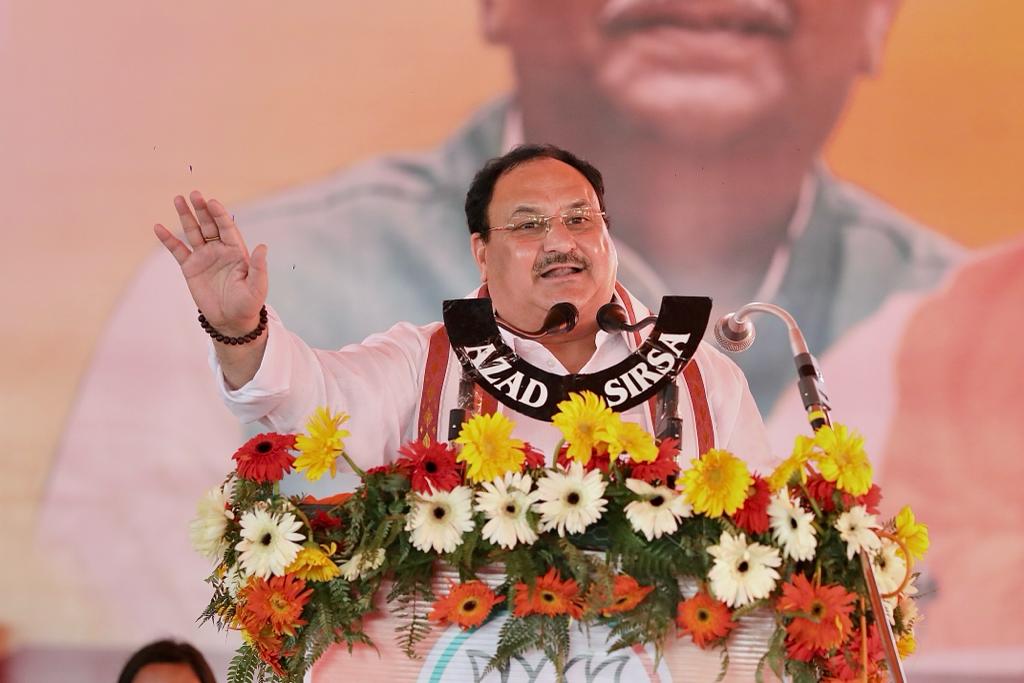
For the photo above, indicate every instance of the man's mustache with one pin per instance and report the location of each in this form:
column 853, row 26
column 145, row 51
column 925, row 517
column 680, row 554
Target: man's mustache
column 569, row 258
column 776, row 17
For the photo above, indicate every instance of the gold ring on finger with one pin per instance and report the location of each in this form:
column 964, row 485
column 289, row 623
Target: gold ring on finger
column 215, row 238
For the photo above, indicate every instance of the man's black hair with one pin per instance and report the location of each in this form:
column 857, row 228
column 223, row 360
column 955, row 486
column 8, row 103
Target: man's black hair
column 167, row 652
column 478, row 198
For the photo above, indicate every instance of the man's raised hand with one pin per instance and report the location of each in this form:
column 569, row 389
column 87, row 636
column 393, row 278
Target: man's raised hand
column 228, row 284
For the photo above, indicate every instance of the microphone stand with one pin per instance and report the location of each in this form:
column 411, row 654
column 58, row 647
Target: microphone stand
column 735, row 333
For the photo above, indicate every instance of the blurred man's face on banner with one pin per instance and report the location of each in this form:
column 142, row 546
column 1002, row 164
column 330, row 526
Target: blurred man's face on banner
column 706, row 70
column 526, row 276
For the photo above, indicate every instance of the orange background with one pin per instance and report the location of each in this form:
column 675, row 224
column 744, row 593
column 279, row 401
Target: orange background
column 111, row 108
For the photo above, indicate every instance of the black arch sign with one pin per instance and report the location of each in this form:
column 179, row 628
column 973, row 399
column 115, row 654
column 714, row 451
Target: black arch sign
column 527, row 389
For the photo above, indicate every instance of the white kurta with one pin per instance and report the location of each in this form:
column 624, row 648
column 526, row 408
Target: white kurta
column 379, row 384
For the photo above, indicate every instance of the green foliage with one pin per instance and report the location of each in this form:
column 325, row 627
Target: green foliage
column 802, row 672
column 775, row 657
column 521, row 565
column 244, row 666
column 535, row 632
column 221, row 609
column 465, row 557
column 410, row 600
column 649, row 622
column 725, row 665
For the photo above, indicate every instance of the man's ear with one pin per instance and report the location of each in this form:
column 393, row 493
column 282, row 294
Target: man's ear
column 494, row 19
column 877, row 21
column 479, row 248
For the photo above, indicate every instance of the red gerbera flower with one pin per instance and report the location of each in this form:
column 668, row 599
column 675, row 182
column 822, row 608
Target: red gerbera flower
column 467, row 604
column 627, row 593
column 662, row 467
column 276, row 603
column 828, row 617
column 753, row 515
column 821, row 491
column 869, row 500
column 534, row 458
column 265, row 458
column 431, row 468
column 847, row 664
column 704, row 618
column 323, row 521
column 599, row 459
column 550, row 596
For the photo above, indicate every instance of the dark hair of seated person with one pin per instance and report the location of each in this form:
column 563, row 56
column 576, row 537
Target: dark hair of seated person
column 167, row 652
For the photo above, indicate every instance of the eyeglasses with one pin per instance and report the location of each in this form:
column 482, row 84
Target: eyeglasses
column 578, row 221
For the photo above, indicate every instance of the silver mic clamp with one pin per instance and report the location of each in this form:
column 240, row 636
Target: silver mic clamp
column 735, row 333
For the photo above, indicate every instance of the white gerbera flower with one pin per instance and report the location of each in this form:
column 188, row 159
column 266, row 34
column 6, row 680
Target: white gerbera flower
column 359, row 565
column 438, row 520
column 658, row 511
column 570, row 500
column 268, row 542
column 743, row 572
column 890, row 568
column 505, row 502
column 792, row 527
column 856, row 527
column 206, row 531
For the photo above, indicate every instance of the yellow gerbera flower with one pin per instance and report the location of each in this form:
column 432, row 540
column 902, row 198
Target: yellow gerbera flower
column 631, row 438
column 803, row 451
column 906, row 644
column 582, row 419
column 321, row 447
column 313, row 563
column 488, row 448
column 912, row 533
column 843, row 459
column 716, row 482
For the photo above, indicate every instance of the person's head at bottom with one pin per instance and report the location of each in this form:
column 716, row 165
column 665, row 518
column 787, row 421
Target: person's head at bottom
column 166, row 661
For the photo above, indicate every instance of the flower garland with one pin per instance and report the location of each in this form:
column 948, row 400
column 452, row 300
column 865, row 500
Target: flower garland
column 605, row 532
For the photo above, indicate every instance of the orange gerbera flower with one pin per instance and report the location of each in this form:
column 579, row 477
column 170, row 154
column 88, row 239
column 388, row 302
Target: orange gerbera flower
column 276, row 603
column 845, row 665
column 827, row 620
column 704, row 618
column 267, row 646
column 626, row 594
column 467, row 604
column 550, row 596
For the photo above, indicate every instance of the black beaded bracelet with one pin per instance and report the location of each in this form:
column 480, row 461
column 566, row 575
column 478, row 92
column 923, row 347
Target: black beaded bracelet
column 234, row 341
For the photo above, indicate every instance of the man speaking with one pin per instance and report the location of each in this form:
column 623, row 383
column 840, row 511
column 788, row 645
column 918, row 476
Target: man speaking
column 539, row 236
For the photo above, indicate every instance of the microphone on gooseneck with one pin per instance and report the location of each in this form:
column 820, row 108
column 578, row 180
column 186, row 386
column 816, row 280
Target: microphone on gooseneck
column 612, row 318
column 734, row 332
column 561, row 318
